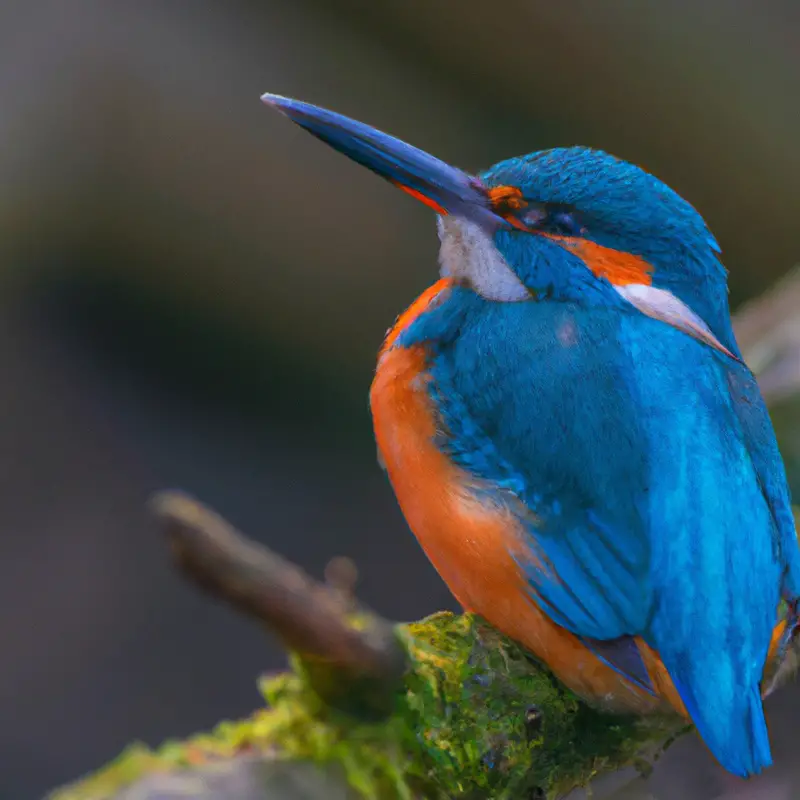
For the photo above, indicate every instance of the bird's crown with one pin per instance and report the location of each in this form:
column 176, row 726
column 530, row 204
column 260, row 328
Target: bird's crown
column 578, row 191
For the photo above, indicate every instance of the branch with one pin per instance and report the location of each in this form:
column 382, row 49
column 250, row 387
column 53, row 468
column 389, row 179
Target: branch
column 315, row 621
column 768, row 331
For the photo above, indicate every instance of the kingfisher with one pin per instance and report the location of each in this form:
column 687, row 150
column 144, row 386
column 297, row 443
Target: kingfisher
column 574, row 438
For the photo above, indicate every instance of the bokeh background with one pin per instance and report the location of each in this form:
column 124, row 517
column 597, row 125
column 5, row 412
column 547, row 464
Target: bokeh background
column 193, row 292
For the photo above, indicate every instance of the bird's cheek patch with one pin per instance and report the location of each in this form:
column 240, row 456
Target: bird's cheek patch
column 617, row 267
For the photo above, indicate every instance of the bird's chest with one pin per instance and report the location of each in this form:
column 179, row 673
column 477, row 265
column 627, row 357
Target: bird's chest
column 466, row 543
column 476, row 402
column 475, row 538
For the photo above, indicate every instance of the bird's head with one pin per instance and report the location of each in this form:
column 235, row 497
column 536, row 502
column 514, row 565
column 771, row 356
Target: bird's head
column 570, row 223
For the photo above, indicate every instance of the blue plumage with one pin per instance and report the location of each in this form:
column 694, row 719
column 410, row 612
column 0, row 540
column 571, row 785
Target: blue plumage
column 645, row 461
column 583, row 372
column 620, row 436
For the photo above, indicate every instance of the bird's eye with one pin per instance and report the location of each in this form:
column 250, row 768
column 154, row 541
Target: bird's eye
column 535, row 216
column 566, row 223
column 555, row 219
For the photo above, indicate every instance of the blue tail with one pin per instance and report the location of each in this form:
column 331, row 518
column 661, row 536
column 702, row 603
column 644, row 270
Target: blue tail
column 731, row 723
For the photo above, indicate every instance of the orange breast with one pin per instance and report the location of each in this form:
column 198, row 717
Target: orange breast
column 472, row 545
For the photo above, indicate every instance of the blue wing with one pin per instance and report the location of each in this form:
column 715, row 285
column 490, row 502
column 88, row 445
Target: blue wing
column 759, row 437
column 554, row 426
column 657, row 506
column 717, row 559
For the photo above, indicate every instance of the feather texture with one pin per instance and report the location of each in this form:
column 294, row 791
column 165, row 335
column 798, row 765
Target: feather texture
column 654, row 504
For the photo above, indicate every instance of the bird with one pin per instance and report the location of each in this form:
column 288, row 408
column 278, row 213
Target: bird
column 573, row 436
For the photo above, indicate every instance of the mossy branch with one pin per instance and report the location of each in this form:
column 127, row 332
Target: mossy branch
column 442, row 708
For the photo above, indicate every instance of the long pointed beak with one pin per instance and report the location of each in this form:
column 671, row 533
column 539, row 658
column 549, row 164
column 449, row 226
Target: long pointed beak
column 445, row 189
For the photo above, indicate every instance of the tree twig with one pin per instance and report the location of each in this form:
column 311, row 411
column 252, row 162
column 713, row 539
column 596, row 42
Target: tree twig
column 768, row 331
column 309, row 617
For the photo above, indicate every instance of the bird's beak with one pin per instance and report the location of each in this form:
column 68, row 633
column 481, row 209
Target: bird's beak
column 445, row 189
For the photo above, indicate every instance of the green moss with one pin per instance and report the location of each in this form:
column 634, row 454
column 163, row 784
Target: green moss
column 473, row 689
column 458, row 728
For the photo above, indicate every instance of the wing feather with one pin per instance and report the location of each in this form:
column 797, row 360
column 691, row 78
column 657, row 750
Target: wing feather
column 656, row 500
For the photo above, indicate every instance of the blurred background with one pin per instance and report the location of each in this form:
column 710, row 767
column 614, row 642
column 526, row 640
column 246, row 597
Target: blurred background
column 194, row 290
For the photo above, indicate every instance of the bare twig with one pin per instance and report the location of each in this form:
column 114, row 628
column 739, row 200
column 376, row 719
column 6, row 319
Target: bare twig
column 768, row 331
column 310, row 618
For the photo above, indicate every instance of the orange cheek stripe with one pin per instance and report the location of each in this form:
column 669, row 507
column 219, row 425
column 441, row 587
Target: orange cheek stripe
column 417, row 195
column 615, row 266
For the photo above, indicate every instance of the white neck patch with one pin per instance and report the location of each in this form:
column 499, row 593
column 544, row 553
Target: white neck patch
column 468, row 252
column 665, row 306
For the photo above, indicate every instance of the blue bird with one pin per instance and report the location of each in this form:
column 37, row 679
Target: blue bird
column 575, row 440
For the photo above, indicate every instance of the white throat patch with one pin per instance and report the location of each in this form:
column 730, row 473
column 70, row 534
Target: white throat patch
column 468, row 252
